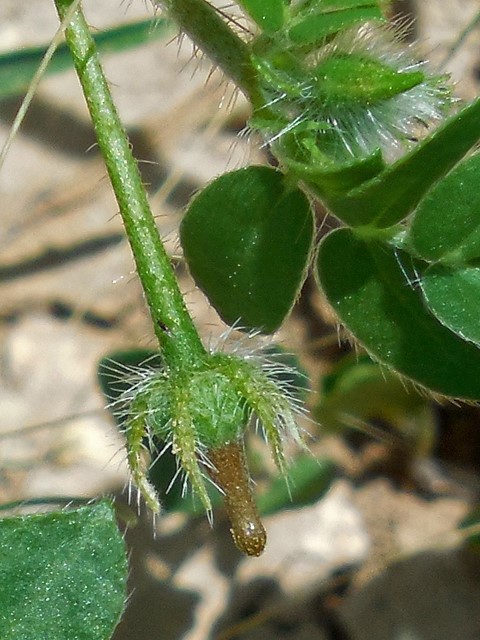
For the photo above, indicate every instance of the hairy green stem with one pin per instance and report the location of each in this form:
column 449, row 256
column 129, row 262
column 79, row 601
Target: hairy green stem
column 208, row 30
column 178, row 338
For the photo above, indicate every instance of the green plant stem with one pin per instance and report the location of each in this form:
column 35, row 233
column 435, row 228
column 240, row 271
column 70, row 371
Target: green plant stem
column 176, row 333
column 209, row 31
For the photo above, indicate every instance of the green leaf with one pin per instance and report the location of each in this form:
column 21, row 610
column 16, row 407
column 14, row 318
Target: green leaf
column 326, row 179
column 247, row 239
column 393, row 194
column 372, row 288
column 62, row 575
column 313, row 26
column 17, row 68
column 268, row 14
column 308, row 480
column 452, row 294
column 360, row 392
column 446, row 224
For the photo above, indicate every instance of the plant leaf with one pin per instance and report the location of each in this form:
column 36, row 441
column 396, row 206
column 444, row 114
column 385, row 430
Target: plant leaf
column 62, row 575
column 247, row 239
column 393, row 194
column 268, row 14
column 446, row 224
column 371, row 287
column 361, row 392
column 452, row 294
column 313, row 25
column 308, row 480
column 17, row 68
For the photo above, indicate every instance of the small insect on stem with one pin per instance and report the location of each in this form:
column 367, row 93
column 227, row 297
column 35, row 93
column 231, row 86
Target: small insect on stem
column 229, row 471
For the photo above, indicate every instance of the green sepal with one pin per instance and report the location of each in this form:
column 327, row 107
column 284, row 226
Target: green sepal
column 352, row 78
column 446, row 224
column 247, row 239
column 290, row 375
column 393, row 194
column 114, row 374
column 305, row 6
column 313, row 26
column 278, row 71
column 373, row 289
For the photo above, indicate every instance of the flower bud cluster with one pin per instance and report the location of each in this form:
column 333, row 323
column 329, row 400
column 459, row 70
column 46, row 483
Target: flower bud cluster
column 360, row 91
column 202, row 412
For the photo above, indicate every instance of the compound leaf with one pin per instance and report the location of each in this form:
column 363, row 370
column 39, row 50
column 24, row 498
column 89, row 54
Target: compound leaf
column 371, row 287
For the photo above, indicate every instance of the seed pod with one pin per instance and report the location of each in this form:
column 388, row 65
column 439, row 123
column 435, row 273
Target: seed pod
column 230, row 472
